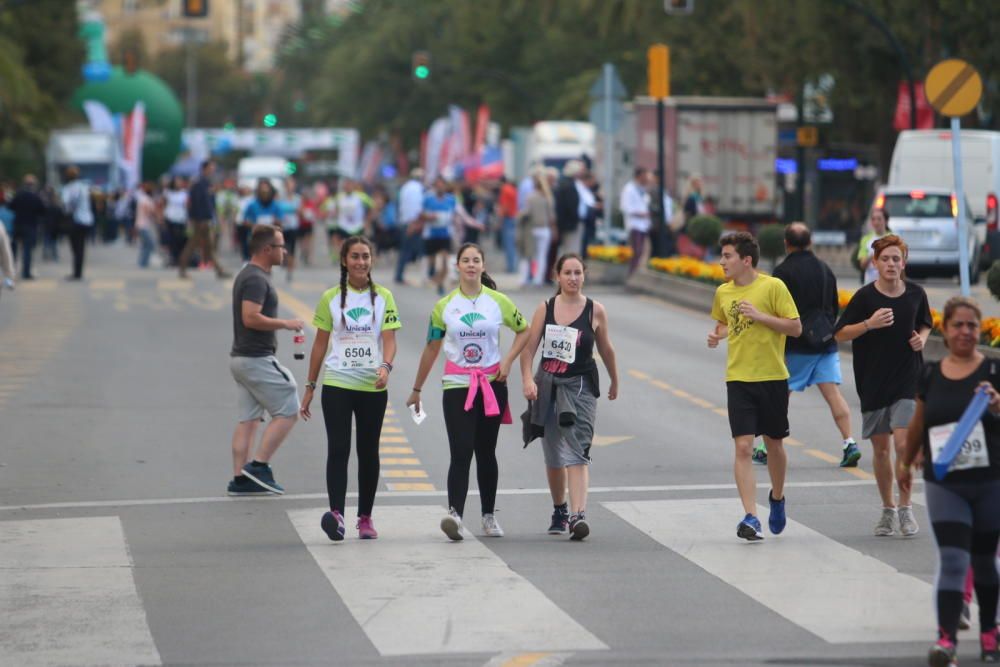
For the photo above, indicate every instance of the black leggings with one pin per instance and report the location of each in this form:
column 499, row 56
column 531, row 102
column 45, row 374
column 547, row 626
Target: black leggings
column 471, row 433
column 966, row 526
column 368, row 408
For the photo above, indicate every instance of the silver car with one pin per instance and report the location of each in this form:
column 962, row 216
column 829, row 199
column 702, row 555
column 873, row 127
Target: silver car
column 927, row 219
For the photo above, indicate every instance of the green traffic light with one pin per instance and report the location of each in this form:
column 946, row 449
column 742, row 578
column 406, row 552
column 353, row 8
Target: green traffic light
column 421, row 71
column 270, row 120
column 291, row 168
column 229, row 126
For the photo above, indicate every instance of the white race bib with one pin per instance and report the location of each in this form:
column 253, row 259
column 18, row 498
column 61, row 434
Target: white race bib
column 357, row 350
column 973, row 453
column 560, row 343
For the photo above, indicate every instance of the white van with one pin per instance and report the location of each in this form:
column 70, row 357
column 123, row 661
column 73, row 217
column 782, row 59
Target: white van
column 553, row 143
column 250, row 169
column 923, row 158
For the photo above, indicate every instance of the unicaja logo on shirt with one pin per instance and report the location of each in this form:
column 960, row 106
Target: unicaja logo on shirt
column 357, row 313
column 470, row 319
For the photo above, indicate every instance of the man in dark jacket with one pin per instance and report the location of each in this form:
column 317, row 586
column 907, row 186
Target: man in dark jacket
column 29, row 213
column 813, row 357
column 567, row 205
column 201, row 214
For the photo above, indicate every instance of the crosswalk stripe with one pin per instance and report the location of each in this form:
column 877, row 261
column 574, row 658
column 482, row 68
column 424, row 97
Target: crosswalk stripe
column 69, row 597
column 414, row 592
column 831, row 590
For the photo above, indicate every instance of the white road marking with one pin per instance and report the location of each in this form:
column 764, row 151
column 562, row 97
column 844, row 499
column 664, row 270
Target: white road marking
column 414, row 592
column 68, row 596
column 681, row 488
column 833, row 591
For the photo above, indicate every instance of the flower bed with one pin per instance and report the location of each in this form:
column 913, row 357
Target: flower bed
column 695, row 269
column 615, row 254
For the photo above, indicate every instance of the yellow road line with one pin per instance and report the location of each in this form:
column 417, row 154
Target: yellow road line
column 859, row 473
column 702, row 403
column 102, row 284
column 407, row 461
column 680, row 393
column 393, row 438
column 638, row 374
column 822, row 456
column 391, row 429
column 661, row 385
column 405, row 474
column 395, row 450
column 411, row 486
column 721, row 411
column 793, row 442
column 525, row 660
column 175, row 284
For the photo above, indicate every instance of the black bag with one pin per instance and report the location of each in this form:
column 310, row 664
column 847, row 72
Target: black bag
column 817, row 327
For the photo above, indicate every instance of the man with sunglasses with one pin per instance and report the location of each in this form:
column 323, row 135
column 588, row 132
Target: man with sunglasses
column 264, row 384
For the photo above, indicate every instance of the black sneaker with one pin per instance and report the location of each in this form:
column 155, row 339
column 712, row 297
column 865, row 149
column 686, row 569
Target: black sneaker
column 262, row 474
column 578, row 527
column 244, row 486
column 560, row 521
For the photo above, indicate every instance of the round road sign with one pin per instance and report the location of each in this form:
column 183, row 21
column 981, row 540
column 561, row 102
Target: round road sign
column 953, row 87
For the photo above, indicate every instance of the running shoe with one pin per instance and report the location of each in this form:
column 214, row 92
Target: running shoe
column 560, row 520
column 451, row 524
column 988, row 650
column 942, row 654
column 332, row 524
column 263, row 475
column 244, row 486
column 491, row 527
column 851, row 455
column 776, row 519
column 907, row 524
column 886, row 525
column 8, row 283
column 759, row 455
column 578, row 527
column 749, row 529
column 965, row 620
column 366, row 529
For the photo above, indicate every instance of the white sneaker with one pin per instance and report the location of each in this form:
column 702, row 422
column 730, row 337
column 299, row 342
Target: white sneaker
column 8, row 283
column 886, row 525
column 451, row 524
column 490, row 526
column 907, row 524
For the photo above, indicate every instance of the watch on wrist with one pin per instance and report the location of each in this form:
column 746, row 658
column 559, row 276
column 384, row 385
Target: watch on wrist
column 311, row 385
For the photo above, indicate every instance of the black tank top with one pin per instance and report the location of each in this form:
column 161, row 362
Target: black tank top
column 584, row 363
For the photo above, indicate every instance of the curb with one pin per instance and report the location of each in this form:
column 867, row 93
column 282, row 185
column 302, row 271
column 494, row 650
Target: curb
column 698, row 296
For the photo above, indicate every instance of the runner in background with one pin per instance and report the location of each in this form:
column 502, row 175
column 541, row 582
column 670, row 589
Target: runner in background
column 352, row 206
column 467, row 323
column 290, row 224
column 879, row 220
column 438, row 218
column 563, row 393
column 309, row 217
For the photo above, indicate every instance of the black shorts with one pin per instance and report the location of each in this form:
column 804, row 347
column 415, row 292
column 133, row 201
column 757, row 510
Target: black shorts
column 291, row 236
column 434, row 246
column 758, row 408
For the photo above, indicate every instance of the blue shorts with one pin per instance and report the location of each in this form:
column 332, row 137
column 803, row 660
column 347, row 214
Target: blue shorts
column 805, row 370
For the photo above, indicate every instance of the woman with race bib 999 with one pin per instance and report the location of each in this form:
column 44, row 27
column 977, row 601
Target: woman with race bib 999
column 964, row 506
column 565, row 389
column 467, row 322
column 362, row 318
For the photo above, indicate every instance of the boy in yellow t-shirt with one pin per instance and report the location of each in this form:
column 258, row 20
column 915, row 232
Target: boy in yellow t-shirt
column 755, row 313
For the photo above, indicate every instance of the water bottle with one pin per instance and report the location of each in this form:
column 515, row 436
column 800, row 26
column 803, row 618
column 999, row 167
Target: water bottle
column 299, row 340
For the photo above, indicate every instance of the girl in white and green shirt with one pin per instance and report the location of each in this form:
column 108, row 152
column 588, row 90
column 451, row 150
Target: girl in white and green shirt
column 467, row 323
column 361, row 319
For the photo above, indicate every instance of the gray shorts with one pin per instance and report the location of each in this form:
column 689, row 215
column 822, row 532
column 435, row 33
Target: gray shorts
column 561, row 451
column 885, row 420
column 264, row 385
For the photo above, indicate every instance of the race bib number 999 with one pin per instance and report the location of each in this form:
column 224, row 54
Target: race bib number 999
column 973, row 453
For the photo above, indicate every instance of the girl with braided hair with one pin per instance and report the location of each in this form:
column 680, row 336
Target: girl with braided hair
column 360, row 318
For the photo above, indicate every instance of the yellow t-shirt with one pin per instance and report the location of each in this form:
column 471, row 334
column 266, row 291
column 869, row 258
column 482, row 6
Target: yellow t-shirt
column 756, row 353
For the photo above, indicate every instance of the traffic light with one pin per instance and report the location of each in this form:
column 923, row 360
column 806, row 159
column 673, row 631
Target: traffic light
column 421, row 65
column 291, row 168
column 678, row 6
column 270, row 120
column 194, row 9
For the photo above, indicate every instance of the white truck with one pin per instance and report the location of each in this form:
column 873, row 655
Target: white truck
column 923, row 158
column 553, row 143
column 731, row 143
column 95, row 154
column 274, row 168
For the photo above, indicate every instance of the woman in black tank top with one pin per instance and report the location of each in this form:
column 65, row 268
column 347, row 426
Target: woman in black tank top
column 568, row 326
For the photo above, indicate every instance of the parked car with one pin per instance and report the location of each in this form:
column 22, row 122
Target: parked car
column 927, row 219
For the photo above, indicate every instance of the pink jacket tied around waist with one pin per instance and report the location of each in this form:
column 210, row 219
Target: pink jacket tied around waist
column 479, row 378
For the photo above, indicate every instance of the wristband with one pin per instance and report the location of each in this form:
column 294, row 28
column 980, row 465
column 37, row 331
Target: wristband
column 386, row 365
column 311, row 384
column 416, row 390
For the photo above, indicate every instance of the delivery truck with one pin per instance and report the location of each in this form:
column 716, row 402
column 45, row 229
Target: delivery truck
column 730, row 143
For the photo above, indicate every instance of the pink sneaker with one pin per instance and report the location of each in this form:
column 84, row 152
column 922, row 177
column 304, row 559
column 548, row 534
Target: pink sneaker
column 366, row 529
column 942, row 654
column 989, row 652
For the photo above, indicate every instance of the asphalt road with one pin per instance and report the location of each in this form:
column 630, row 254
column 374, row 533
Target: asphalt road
column 119, row 546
